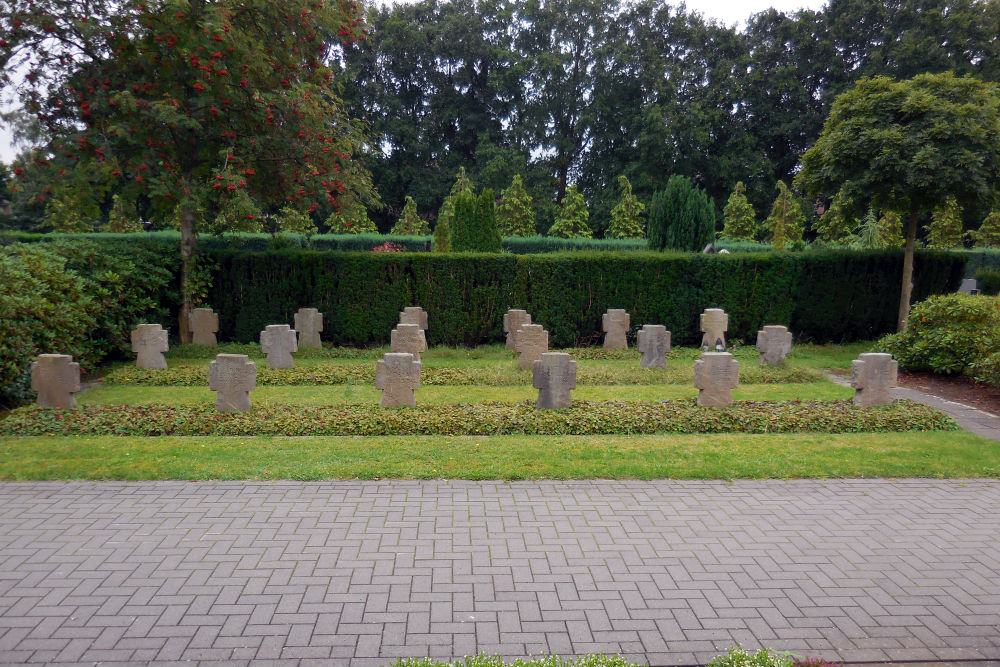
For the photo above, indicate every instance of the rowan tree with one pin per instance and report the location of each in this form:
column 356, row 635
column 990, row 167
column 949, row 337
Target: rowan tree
column 224, row 109
column 908, row 146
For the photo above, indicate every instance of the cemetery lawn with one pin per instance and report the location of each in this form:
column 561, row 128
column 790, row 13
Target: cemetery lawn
column 722, row 456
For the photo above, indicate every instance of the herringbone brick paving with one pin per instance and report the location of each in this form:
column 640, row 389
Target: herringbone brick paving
column 358, row 573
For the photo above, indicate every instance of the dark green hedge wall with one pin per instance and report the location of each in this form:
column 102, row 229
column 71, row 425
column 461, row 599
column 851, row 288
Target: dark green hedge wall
column 822, row 296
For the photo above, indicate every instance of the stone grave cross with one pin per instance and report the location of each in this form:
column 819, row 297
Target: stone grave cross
column 397, row 374
column 773, row 343
column 309, row 324
column 615, row 324
column 716, row 374
column 554, row 375
column 149, row 342
column 873, row 375
column 56, row 377
column 233, row 376
column 714, row 324
column 532, row 342
column 204, row 323
column 654, row 343
column 278, row 341
column 414, row 315
column 513, row 320
column 408, row 338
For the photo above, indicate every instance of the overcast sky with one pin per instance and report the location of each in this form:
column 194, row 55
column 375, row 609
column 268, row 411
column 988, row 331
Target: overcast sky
column 729, row 12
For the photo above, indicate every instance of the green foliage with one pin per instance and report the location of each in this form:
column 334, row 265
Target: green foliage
column 571, row 219
column 945, row 229
column 583, row 418
column 988, row 234
column 836, row 225
column 289, row 220
column 878, row 233
column 986, row 370
column 515, row 216
column 947, row 334
column 682, row 217
column 409, row 223
column 988, row 281
column 64, row 214
column 74, row 298
column 626, row 216
column 351, row 218
column 474, row 225
column 446, row 215
column 891, row 230
column 123, row 217
column 786, row 222
column 739, row 218
column 737, row 656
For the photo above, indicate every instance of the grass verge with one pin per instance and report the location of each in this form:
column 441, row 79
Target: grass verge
column 726, row 456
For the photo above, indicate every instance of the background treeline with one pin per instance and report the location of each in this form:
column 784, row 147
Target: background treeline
column 583, row 91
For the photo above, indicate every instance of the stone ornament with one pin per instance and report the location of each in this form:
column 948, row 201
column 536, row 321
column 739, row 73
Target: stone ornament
column 654, row 343
column 55, row 377
column 716, row 374
column 233, row 376
column 309, row 324
column 204, row 324
column 414, row 315
column 774, row 343
column 873, row 375
column 532, row 342
column 714, row 325
column 397, row 374
column 554, row 375
column 278, row 341
column 513, row 320
column 149, row 342
column 615, row 324
column 408, row 338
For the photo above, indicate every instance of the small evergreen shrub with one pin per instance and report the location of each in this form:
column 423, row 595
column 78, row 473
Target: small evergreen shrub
column 988, row 281
column 988, row 234
column 787, row 221
column 409, row 223
column 352, row 218
column 946, row 334
column 474, row 225
column 571, row 219
column 684, row 217
column 945, row 228
column 626, row 216
column 515, row 217
column 739, row 218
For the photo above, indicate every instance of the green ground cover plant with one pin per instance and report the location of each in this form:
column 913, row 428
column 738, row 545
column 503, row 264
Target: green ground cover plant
column 490, row 418
column 934, row 454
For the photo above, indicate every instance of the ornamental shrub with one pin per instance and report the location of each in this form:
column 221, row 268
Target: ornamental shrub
column 988, row 234
column 626, row 216
column 835, row 226
column 572, row 216
column 352, row 218
column 515, row 217
column 446, row 214
column 786, row 222
column 988, row 281
column 946, row 334
column 684, row 217
column 987, row 370
column 123, row 218
column 474, row 225
column 945, row 228
column 739, row 218
column 409, row 223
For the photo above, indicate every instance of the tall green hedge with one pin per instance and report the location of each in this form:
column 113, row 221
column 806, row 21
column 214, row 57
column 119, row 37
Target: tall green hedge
column 822, row 295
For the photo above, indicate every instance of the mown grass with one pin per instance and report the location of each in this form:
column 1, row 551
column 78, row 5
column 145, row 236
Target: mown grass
column 725, row 456
column 359, row 394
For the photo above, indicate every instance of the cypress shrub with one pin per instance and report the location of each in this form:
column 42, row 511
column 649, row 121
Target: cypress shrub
column 685, row 217
column 473, row 227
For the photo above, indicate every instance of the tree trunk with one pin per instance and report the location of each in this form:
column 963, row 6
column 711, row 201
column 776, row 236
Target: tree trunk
column 187, row 268
column 907, row 288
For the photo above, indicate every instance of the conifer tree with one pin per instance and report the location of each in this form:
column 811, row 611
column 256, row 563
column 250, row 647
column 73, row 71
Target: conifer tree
column 739, row 218
column 442, row 228
column 891, row 229
column 786, row 222
column 515, row 216
column 626, row 216
column 409, row 223
column 835, row 225
column 352, row 218
column 945, row 229
column 474, row 226
column 123, row 217
column 988, row 234
column 684, row 218
column 572, row 216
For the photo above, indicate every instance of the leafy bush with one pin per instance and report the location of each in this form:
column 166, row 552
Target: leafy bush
column 946, row 334
column 583, row 418
column 737, row 656
column 986, row 370
column 988, row 281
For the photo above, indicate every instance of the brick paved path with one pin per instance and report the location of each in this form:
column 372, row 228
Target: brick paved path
column 361, row 572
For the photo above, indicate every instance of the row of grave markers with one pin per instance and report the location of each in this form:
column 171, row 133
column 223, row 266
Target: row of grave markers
column 56, row 377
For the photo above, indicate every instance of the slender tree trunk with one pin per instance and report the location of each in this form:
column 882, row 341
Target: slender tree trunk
column 907, row 288
column 187, row 268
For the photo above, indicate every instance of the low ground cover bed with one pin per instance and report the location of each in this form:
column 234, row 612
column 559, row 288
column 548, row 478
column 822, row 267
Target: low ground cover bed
column 490, row 418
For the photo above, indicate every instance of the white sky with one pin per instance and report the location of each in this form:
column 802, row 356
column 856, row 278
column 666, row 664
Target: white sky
column 730, row 12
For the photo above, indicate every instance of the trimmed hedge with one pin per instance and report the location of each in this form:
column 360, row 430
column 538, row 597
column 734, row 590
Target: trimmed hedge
column 821, row 295
column 583, row 418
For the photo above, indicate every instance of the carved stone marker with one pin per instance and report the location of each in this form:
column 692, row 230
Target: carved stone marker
column 278, row 341
column 873, row 375
column 56, row 377
column 149, row 342
column 532, row 342
column 774, row 342
column 554, row 375
column 204, row 324
column 654, row 343
column 716, row 374
column 414, row 315
column 513, row 320
column 615, row 324
column 408, row 338
column 397, row 374
column 714, row 324
column 308, row 323
column 233, row 376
